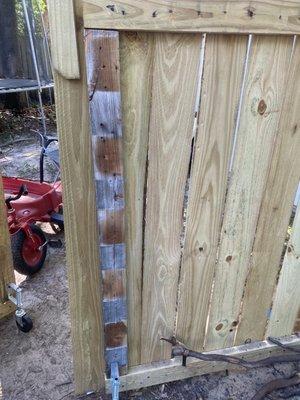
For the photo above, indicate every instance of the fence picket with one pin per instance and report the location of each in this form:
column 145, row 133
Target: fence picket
column 264, row 88
column 223, row 67
column 275, row 212
column 287, row 300
column 175, row 73
column 136, row 56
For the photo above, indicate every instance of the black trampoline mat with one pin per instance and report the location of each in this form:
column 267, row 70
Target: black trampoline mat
column 8, row 84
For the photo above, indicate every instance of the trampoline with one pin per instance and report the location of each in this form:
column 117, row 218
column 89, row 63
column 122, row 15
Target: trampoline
column 22, row 85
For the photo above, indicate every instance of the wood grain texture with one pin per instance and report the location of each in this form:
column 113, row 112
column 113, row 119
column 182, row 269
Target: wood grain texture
column 264, row 90
column 223, row 67
column 6, row 269
column 136, row 58
column 275, row 212
column 6, row 309
column 286, row 305
column 102, row 53
column 219, row 16
column 63, row 37
column 172, row 370
column 80, row 226
column 175, row 73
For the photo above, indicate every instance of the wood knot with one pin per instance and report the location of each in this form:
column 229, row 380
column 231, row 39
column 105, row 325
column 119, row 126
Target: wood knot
column 250, row 12
column 228, row 258
column 111, row 7
column 262, row 107
column 219, row 327
column 295, row 129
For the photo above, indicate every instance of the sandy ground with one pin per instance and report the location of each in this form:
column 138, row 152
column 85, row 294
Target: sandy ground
column 38, row 365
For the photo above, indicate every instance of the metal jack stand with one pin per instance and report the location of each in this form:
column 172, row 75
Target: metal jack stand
column 115, row 381
column 24, row 323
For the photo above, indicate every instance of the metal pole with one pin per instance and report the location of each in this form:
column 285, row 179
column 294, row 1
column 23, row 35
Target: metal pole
column 46, row 50
column 34, row 59
column 33, row 53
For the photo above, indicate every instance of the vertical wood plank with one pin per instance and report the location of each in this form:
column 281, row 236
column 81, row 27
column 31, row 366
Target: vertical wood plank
column 275, row 212
column 102, row 50
column 80, row 225
column 223, row 67
column 176, row 63
column 136, row 58
column 6, row 270
column 63, row 37
column 286, row 303
column 264, row 89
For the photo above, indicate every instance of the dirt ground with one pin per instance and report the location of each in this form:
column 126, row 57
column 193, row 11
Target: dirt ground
column 38, row 365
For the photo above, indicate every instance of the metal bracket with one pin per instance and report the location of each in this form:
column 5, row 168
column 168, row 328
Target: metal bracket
column 115, row 380
column 12, row 289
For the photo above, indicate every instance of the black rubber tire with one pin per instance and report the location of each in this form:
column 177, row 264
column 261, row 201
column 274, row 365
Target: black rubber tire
column 17, row 241
column 26, row 324
column 57, row 228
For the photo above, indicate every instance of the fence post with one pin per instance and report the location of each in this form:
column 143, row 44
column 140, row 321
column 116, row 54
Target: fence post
column 79, row 211
column 6, row 270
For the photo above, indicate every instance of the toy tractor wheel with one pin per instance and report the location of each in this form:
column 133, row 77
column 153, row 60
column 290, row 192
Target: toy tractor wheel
column 57, row 228
column 29, row 259
column 24, row 323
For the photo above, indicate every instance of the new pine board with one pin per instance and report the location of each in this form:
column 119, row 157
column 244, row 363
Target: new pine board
column 136, row 59
column 263, row 96
column 275, row 212
column 218, row 16
column 286, row 305
column 6, row 270
column 175, row 76
column 80, row 225
column 222, row 79
column 172, row 370
column 63, row 37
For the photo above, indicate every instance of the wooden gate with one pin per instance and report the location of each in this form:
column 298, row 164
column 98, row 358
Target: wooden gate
column 6, row 265
column 180, row 141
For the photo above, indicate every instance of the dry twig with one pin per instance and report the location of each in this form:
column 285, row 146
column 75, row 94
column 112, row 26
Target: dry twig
column 179, row 349
column 276, row 384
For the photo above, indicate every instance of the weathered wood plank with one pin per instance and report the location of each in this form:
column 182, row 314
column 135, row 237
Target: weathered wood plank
column 136, row 58
column 219, row 16
column 222, row 79
column 175, row 73
column 102, row 51
column 6, row 309
column 264, row 92
column 6, row 269
column 80, row 226
column 63, row 38
column 172, row 370
column 275, row 212
column 286, row 305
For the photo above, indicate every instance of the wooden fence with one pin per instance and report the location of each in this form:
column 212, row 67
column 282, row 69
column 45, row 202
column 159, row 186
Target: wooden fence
column 6, row 268
column 180, row 143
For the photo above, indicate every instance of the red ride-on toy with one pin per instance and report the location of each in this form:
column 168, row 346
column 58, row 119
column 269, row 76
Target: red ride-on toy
column 29, row 202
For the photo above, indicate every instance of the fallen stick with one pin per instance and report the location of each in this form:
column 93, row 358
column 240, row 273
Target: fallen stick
column 179, row 349
column 276, row 384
